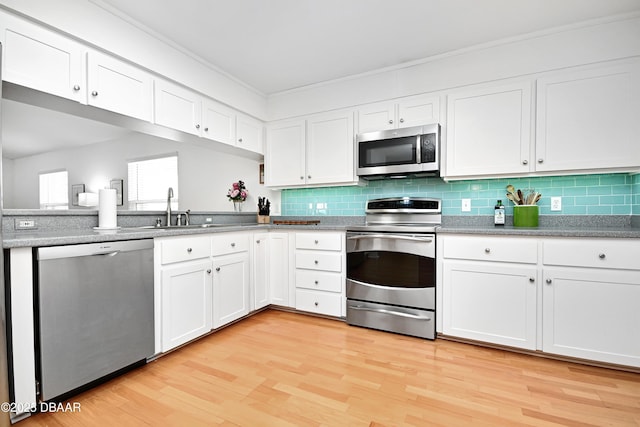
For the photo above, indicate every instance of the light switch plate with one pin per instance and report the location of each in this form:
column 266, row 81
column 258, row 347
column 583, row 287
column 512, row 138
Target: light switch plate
column 466, row 205
column 556, row 203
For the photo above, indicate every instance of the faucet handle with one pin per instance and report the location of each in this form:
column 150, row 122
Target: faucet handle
column 158, row 222
column 186, row 216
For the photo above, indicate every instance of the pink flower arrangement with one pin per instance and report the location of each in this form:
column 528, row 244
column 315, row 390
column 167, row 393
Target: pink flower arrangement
column 238, row 192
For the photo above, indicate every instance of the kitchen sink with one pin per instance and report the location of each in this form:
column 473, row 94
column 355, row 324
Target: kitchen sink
column 181, row 227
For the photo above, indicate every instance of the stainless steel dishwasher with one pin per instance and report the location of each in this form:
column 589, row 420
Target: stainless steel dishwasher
column 95, row 312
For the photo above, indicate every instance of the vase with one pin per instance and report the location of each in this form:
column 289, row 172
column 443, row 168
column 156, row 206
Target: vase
column 525, row 216
column 237, row 206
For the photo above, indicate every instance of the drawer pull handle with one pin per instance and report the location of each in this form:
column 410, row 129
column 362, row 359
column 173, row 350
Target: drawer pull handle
column 548, row 281
column 602, row 256
column 189, row 250
column 487, row 250
column 390, row 312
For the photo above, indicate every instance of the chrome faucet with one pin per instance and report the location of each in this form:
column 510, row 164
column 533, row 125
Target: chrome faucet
column 169, row 196
column 186, row 215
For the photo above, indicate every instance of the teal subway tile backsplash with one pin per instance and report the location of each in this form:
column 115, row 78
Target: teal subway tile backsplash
column 604, row 194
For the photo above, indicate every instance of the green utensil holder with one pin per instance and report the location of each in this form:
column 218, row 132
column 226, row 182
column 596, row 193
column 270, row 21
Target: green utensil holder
column 525, row 216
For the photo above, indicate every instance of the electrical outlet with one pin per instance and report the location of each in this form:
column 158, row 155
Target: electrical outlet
column 208, row 219
column 556, row 203
column 466, row 205
column 24, row 224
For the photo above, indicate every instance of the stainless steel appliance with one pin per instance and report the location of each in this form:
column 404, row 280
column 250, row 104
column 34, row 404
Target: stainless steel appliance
column 399, row 152
column 95, row 312
column 391, row 266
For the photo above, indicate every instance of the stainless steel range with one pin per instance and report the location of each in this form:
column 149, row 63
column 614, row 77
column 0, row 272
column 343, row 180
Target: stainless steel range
column 391, row 266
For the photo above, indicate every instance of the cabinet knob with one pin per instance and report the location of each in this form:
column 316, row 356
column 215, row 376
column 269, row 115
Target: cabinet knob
column 209, row 271
column 76, row 87
column 217, row 268
column 197, row 126
column 315, row 303
column 548, row 281
column 309, row 176
column 189, row 250
column 487, row 250
column 315, row 241
column 401, row 120
column 315, row 262
column 233, row 245
column 94, row 93
column 239, row 139
column 525, row 162
column 540, row 160
column 315, row 282
column 532, row 279
column 390, row 122
column 602, row 256
column 206, row 129
column 302, row 177
column 258, row 241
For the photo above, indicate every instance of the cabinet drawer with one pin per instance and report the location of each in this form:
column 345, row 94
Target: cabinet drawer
column 319, row 302
column 319, row 241
column 319, row 280
column 185, row 249
column 597, row 253
column 491, row 249
column 316, row 260
column 229, row 244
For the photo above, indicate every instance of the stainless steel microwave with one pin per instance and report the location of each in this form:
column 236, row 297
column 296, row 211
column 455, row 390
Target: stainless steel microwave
column 399, row 152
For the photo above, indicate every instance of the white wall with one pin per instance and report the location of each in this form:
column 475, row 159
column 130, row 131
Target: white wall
column 204, row 175
column 540, row 52
column 94, row 25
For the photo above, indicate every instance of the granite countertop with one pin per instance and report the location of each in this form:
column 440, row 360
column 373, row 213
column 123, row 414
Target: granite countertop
column 558, row 231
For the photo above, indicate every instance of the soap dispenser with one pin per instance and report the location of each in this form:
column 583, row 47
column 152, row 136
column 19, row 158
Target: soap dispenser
column 498, row 215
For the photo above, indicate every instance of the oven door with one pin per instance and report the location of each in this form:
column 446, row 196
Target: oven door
column 390, row 268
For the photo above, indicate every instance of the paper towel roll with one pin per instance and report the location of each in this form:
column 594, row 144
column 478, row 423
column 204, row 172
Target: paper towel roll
column 107, row 217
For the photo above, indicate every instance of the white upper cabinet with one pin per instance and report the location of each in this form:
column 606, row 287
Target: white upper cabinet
column 589, row 119
column 284, row 163
column 410, row 111
column 315, row 151
column 488, row 130
column 118, row 86
column 177, row 107
column 43, row 60
column 218, row 122
column 330, row 148
column 249, row 133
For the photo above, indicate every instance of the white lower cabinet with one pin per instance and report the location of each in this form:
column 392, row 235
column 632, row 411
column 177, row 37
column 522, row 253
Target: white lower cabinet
column 279, row 269
column 565, row 296
column 319, row 273
column 489, row 290
column 230, row 277
column 186, row 302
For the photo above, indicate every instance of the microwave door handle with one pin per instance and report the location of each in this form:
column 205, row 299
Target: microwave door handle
column 418, row 150
column 391, row 236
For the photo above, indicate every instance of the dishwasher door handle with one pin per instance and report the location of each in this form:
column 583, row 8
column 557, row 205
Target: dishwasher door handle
column 110, row 253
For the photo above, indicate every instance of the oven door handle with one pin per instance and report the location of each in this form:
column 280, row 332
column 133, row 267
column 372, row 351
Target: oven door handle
column 391, row 236
column 391, row 312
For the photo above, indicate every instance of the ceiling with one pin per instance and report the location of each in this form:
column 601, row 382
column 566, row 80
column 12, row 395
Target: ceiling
column 276, row 45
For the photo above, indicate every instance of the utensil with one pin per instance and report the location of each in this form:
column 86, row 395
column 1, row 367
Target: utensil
column 520, row 197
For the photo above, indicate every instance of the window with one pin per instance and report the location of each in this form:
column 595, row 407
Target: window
column 54, row 190
column 149, row 182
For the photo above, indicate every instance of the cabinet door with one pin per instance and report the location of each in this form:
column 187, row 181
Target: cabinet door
column 284, row 161
column 589, row 120
column 260, row 264
column 418, row 110
column 491, row 302
column 279, row 269
column 330, row 147
column 488, row 131
column 376, row 117
column 218, row 122
column 186, row 302
column 230, row 288
column 43, row 60
column 177, row 108
column 592, row 314
column 117, row 86
column 249, row 133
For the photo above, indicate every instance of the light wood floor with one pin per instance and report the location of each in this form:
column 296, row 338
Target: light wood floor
column 285, row 369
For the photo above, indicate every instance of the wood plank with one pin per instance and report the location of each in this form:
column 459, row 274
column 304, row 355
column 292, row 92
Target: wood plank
column 280, row 368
